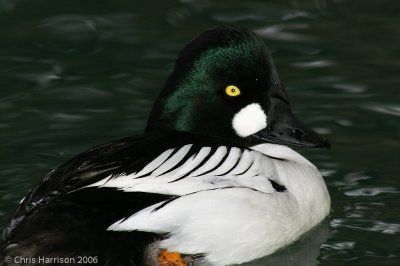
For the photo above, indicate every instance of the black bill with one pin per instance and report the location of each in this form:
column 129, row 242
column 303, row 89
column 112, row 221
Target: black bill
column 284, row 128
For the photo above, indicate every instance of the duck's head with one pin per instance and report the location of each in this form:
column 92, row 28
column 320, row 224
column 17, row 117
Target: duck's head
column 224, row 84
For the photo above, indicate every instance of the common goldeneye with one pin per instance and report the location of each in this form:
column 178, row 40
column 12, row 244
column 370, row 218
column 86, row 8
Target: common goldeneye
column 210, row 182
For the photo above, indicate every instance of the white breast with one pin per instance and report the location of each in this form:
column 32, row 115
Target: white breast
column 226, row 207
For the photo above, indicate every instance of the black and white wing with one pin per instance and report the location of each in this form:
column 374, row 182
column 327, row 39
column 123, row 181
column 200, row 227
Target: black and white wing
column 109, row 183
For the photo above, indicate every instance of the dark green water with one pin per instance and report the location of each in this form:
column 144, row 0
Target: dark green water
column 74, row 74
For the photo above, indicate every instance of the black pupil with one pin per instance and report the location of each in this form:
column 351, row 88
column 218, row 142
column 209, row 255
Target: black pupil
column 233, row 90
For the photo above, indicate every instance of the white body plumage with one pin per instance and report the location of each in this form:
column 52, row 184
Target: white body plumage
column 229, row 211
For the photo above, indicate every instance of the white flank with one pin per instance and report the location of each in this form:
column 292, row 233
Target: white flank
column 249, row 120
column 230, row 225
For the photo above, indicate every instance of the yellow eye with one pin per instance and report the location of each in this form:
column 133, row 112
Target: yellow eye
column 232, row 91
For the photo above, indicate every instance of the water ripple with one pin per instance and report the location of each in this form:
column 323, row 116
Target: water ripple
column 314, row 64
column 299, row 14
column 237, row 18
column 351, row 179
column 70, row 23
column 69, row 117
column 339, row 245
column 386, row 109
column 367, row 225
column 8, row 5
column 373, row 191
column 352, row 88
column 385, row 228
column 281, row 32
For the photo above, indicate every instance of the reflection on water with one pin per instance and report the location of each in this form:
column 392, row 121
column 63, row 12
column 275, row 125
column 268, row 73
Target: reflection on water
column 74, row 74
column 303, row 252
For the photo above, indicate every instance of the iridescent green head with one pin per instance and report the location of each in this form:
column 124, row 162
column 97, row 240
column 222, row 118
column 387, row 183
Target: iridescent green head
column 224, row 84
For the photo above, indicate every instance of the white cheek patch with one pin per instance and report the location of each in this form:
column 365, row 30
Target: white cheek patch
column 249, row 120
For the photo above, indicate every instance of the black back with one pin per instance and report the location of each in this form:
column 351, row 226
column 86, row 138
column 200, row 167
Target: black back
column 61, row 217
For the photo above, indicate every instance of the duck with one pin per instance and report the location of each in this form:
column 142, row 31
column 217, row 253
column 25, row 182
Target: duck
column 211, row 181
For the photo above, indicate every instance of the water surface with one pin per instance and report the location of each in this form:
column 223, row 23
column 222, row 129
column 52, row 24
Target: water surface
column 74, row 74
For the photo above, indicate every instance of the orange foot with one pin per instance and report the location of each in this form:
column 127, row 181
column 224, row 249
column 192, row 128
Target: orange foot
column 170, row 259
